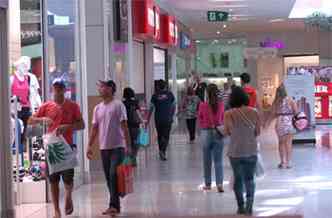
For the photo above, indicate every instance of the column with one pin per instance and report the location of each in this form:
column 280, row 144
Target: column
column 96, row 41
column 6, row 191
column 130, row 44
column 174, row 81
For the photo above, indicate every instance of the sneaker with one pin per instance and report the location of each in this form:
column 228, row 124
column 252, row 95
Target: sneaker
column 162, row 155
column 241, row 210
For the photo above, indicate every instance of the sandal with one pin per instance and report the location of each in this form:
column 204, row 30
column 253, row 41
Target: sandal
column 111, row 211
column 69, row 208
column 206, row 188
column 220, row 189
column 281, row 166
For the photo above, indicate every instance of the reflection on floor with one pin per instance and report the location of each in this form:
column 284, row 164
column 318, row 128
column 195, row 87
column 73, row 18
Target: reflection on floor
column 173, row 188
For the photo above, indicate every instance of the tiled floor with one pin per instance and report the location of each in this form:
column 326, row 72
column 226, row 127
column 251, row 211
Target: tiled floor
column 172, row 188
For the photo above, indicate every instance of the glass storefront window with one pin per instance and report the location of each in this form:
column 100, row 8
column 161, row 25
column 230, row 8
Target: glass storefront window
column 63, row 53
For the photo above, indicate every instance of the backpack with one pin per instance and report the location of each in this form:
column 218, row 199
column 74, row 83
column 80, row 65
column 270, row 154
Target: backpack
column 132, row 115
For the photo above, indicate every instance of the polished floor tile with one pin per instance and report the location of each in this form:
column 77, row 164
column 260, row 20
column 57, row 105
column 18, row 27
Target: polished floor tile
column 173, row 188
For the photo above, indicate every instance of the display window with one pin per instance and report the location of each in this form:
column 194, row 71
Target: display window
column 30, row 86
column 159, row 64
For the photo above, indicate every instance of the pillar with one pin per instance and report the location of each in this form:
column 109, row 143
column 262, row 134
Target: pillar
column 6, row 190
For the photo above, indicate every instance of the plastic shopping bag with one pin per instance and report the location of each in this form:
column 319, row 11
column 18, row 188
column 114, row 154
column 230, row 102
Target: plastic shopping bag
column 125, row 178
column 59, row 155
column 143, row 137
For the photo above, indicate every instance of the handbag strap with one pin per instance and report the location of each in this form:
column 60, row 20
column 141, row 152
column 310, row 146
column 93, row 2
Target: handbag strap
column 245, row 118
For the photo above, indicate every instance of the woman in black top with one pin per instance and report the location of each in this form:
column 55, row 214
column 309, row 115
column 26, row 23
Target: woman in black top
column 134, row 119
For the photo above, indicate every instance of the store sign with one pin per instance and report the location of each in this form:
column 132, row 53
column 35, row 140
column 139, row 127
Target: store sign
column 255, row 53
column 157, row 23
column 268, row 43
column 217, row 16
column 185, row 41
column 169, row 30
column 144, row 23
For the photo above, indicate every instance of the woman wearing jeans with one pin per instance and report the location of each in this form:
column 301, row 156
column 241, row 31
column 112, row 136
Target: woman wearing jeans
column 243, row 126
column 210, row 115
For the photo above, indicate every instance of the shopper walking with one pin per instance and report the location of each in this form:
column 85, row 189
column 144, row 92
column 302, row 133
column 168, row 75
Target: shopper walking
column 109, row 123
column 210, row 114
column 243, row 125
column 134, row 119
column 251, row 91
column 190, row 108
column 64, row 117
column 284, row 109
column 163, row 103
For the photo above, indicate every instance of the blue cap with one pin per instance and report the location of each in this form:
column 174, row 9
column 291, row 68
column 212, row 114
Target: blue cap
column 59, row 82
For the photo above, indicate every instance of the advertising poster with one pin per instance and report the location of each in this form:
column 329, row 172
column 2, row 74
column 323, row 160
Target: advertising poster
column 301, row 87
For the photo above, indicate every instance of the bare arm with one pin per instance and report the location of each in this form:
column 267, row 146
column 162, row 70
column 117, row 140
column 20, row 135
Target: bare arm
column 125, row 130
column 258, row 125
column 227, row 123
column 92, row 139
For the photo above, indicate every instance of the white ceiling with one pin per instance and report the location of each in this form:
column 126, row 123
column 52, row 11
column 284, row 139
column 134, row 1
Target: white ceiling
column 245, row 16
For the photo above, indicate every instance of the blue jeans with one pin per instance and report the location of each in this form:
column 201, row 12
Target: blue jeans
column 111, row 160
column 213, row 147
column 244, row 169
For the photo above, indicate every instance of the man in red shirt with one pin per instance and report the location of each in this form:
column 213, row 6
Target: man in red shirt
column 64, row 117
column 251, row 91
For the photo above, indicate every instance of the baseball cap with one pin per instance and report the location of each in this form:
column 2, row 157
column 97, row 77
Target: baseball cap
column 59, row 82
column 109, row 83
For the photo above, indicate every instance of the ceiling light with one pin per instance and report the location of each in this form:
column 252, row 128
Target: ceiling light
column 218, row 32
column 197, row 41
column 230, row 10
column 225, row 26
column 231, row 6
column 276, row 20
column 227, row 1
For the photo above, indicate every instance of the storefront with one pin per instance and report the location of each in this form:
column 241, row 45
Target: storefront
column 44, row 45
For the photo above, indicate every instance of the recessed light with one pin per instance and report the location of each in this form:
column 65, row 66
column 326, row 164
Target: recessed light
column 225, row 26
column 218, row 32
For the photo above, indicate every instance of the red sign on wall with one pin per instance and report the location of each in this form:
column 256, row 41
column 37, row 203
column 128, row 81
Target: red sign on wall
column 169, row 30
column 143, row 19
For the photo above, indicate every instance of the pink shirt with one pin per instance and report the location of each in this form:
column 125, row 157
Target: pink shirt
column 108, row 118
column 206, row 117
column 21, row 90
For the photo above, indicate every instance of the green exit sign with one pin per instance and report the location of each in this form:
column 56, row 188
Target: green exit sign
column 217, row 16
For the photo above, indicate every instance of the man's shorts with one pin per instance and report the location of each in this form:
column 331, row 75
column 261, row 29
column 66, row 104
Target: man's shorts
column 66, row 175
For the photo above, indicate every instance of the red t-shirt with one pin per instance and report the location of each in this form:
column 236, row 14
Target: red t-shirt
column 252, row 95
column 67, row 113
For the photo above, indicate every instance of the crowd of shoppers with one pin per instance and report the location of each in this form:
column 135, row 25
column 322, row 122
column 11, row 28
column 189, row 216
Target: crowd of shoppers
column 231, row 112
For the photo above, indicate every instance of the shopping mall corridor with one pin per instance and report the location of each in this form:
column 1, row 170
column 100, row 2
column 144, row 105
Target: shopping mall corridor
column 173, row 188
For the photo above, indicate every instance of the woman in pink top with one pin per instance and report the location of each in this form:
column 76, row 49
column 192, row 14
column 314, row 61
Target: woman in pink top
column 210, row 115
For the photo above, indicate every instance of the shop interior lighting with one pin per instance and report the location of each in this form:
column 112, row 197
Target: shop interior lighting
column 276, row 20
column 218, row 32
column 197, row 41
column 225, row 26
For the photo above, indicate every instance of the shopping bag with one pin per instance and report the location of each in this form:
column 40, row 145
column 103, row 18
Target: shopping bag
column 125, row 178
column 143, row 137
column 59, row 154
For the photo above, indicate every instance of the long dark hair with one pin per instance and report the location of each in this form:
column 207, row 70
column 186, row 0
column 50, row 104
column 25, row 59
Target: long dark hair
column 212, row 91
column 128, row 93
column 238, row 97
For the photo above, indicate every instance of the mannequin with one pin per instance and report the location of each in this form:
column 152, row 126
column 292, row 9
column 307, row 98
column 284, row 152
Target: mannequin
column 34, row 96
column 20, row 87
